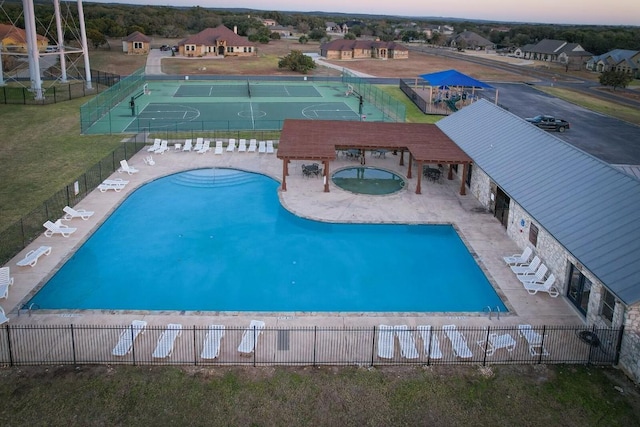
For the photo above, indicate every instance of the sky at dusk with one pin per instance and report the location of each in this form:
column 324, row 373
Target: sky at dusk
column 593, row 12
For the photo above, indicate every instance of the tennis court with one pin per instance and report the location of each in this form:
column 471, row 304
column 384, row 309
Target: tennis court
column 190, row 105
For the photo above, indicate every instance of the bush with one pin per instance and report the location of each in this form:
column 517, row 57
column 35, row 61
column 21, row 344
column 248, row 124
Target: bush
column 297, row 61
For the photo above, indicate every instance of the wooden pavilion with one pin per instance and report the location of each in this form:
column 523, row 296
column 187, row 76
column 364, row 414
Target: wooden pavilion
column 320, row 140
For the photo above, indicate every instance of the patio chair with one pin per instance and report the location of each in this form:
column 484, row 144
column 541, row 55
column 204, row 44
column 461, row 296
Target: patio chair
column 537, row 276
column 386, row 341
column 164, row 147
column 58, row 228
column 262, row 147
column 519, row 259
column 156, row 145
column 128, row 337
column 71, row 213
column 206, row 146
column 124, row 167
column 458, row 342
column 527, row 268
column 31, row 258
column 112, row 184
column 199, row 144
column 270, row 149
column 5, row 281
column 211, row 347
column 3, row 316
column 242, row 146
column 548, row 286
column 232, row 145
column 250, row 336
column 218, row 149
column 495, row 342
column 149, row 161
column 534, row 340
column 430, row 341
column 188, row 145
column 407, row 342
column 167, row 338
column 253, row 145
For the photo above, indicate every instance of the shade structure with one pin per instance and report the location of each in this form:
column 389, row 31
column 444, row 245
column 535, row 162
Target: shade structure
column 453, row 78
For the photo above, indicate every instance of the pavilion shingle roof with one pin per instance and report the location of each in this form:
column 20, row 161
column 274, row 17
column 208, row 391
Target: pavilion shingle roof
column 319, row 140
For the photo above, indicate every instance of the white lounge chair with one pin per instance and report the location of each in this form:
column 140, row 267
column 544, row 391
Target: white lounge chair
column 242, row 146
column 534, row 340
column 458, row 342
column 270, row 149
column 31, row 258
column 164, row 147
column 211, row 347
column 156, row 145
column 519, row 259
column 3, row 316
column 496, row 342
column 188, row 145
column 199, row 144
column 124, row 167
column 262, row 147
column 58, row 228
column 112, row 184
column 548, row 286
column 386, row 341
column 5, row 281
column 71, row 213
column 167, row 338
column 149, row 161
column 430, row 341
column 206, row 146
column 218, row 149
column 250, row 336
column 127, row 337
column 407, row 342
column 253, row 145
column 527, row 268
column 537, row 276
column 232, row 145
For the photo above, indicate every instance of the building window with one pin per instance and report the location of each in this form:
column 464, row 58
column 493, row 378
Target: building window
column 533, row 234
column 608, row 306
column 137, row 45
column 229, row 48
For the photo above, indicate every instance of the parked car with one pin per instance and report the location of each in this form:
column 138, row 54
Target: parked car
column 165, row 47
column 549, row 123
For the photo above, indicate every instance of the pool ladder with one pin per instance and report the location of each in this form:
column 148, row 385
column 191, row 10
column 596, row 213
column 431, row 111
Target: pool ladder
column 31, row 307
column 490, row 311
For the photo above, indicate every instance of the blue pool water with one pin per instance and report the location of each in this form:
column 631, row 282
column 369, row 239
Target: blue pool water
column 219, row 240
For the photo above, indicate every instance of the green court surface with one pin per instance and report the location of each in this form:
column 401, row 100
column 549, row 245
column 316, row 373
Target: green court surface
column 177, row 106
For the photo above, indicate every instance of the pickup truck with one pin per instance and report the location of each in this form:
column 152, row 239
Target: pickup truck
column 549, row 123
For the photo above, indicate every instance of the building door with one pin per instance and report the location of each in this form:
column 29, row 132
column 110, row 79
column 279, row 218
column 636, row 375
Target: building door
column 502, row 207
column 579, row 289
column 468, row 179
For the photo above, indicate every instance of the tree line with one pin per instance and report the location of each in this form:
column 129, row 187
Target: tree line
column 120, row 20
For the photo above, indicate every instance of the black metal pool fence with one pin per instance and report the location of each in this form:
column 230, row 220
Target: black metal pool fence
column 299, row 346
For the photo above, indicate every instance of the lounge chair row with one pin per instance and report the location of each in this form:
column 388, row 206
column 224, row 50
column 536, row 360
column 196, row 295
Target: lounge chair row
column 202, row 146
column 459, row 345
column 532, row 273
column 166, row 340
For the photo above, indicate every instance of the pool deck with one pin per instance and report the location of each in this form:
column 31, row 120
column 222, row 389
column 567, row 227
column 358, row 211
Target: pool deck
column 438, row 203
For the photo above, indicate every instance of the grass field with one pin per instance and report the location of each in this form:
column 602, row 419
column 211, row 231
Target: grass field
column 397, row 396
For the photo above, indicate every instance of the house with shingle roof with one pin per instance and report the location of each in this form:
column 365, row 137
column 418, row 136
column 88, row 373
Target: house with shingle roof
column 554, row 51
column 136, row 43
column 14, row 39
column 363, row 49
column 471, row 40
column 618, row 60
column 219, row 41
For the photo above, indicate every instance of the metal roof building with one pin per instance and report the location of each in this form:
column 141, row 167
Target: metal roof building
column 591, row 208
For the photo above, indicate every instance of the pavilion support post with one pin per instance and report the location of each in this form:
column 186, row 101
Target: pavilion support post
column 286, row 166
column 450, row 173
column 284, row 175
column 410, row 163
column 418, row 184
column 326, row 175
column 401, row 157
column 463, row 187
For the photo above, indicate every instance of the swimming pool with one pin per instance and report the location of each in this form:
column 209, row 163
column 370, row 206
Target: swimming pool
column 368, row 180
column 219, row 240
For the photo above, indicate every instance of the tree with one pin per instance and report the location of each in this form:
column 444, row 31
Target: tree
column 96, row 37
column 303, row 40
column 350, row 36
column 317, row 34
column 297, row 61
column 615, row 79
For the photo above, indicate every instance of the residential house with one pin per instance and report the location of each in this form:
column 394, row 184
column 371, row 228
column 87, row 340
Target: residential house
column 136, row 43
column 14, row 39
column 268, row 22
column 219, row 41
column 617, row 59
column 363, row 49
column 589, row 240
column 471, row 40
column 554, row 51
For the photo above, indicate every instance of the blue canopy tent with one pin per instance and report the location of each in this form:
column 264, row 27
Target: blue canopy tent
column 453, row 78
